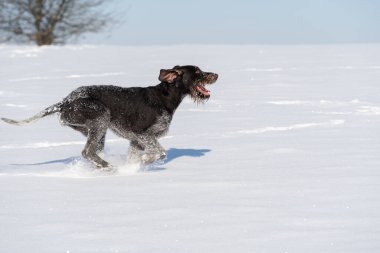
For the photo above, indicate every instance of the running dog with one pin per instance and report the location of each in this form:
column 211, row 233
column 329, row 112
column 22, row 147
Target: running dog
column 139, row 114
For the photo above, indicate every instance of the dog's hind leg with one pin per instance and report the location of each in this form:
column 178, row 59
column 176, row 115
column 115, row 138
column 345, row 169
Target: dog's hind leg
column 101, row 143
column 95, row 135
column 84, row 131
column 92, row 119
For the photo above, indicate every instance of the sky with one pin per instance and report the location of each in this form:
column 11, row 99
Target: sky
column 146, row 22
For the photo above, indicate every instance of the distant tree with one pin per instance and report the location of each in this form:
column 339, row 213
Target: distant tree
column 47, row 22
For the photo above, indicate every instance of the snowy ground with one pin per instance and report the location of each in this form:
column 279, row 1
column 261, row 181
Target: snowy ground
column 285, row 156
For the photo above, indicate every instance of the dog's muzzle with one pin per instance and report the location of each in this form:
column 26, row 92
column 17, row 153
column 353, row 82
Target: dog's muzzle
column 208, row 78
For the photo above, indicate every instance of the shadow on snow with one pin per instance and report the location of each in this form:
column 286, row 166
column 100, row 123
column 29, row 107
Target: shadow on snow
column 175, row 153
column 172, row 154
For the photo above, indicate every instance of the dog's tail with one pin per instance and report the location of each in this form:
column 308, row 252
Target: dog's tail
column 48, row 111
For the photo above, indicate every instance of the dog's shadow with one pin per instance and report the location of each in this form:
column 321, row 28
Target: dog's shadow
column 175, row 153
column 65, row 161
column 171, row 155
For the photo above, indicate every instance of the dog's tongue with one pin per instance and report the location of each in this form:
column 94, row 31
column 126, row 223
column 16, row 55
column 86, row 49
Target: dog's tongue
column 203, row 90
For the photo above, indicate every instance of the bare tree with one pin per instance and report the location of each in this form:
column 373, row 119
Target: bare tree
column 47, row 22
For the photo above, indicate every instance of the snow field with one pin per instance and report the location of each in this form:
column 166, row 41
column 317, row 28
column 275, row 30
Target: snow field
column 284, row 157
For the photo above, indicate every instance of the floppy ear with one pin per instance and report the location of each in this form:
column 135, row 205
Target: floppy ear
column 168, row 75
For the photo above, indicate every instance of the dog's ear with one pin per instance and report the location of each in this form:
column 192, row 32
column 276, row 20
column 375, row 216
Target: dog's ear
column 168, row 75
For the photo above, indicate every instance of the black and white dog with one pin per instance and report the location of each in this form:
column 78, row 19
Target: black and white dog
column 141, row 115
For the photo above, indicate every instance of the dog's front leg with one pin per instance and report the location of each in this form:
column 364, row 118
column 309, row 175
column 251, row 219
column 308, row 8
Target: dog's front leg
column 152, row 150
column 135, row 152
column 155, row 153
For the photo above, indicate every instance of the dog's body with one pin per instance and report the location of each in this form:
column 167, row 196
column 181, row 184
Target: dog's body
column 141, row 115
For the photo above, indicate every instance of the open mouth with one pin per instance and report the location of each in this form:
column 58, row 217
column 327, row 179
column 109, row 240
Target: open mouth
column 199, row 90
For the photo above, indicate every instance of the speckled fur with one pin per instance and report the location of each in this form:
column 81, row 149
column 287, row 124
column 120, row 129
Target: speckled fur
column 141, row 115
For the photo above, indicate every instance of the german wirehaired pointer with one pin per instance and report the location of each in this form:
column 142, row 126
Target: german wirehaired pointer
column 141, row 115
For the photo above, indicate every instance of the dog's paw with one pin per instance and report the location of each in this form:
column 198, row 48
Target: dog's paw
column 153, row 166
column 108, row 169
column 152, row 158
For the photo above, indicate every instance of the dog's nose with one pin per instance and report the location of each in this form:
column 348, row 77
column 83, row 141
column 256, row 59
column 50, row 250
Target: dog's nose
column 216, row 76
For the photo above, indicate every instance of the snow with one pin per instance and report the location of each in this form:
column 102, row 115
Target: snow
column 284, row 157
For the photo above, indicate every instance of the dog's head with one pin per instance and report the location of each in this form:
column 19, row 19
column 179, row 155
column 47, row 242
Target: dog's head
column 190, row 79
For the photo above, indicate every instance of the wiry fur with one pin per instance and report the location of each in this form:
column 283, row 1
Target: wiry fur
column 141, row 115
